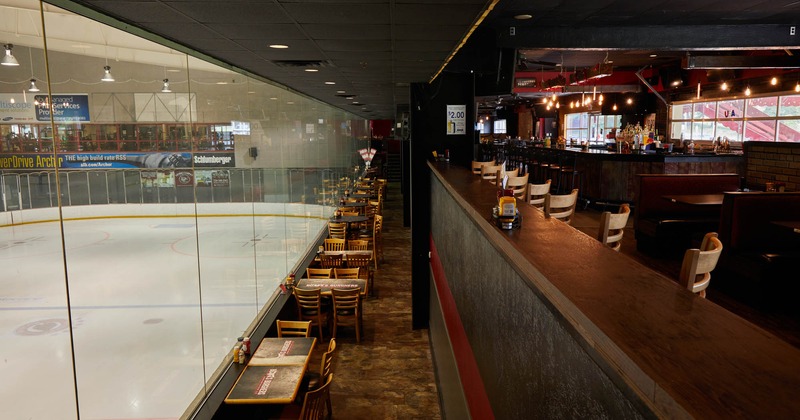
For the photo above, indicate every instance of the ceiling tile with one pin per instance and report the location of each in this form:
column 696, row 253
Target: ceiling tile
column 231, row 11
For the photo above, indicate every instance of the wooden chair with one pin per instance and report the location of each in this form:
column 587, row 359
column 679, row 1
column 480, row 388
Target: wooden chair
column 317, row 379
column 561, row 207
column 345, row 273
column 337, row 230
column 536, row 193
column 347, row 310
column 697, row 264
column 358, row 245
column 319, row 273
column 519, row 185
column 334, row 244
column 293, row 328
column 317, row 401
column 489, row 172
column 612, row 226
column 330, row 261
column 362, row 263
column 375, row 238
column 476, row 166
column 512, row 173
column 309, row 307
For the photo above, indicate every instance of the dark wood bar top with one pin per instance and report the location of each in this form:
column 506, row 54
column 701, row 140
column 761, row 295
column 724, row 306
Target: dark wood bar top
column 683, row 355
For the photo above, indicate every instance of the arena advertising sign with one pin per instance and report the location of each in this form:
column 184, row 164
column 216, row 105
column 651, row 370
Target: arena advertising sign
column 41, row 161
column 16, row 108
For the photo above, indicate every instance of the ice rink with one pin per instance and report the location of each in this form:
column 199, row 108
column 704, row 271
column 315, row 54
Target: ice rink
column 144, row 344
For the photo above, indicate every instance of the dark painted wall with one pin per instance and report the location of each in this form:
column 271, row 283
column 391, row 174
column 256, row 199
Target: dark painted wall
column 429, row 133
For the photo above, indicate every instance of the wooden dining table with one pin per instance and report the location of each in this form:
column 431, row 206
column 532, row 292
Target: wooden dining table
column 696, row 199
column 793, row 225
column 274, row 373
column 327, row 285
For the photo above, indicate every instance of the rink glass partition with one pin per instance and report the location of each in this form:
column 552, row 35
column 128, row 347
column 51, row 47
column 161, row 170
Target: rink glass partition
column 283, row 147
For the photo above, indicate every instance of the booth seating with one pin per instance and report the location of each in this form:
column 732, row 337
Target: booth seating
column 761, row 252
column 675, row 226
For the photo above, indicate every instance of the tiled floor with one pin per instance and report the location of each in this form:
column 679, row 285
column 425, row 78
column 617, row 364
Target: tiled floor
column 389, row 375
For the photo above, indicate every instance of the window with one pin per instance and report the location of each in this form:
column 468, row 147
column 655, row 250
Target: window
column 590, row 127
column 500, row 127
column 767, row 118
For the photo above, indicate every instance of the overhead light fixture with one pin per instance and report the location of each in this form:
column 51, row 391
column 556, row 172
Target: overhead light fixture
column 523, row 16
column 312, row 70
column 629, row 101
column 797, row 87
column 653, row 55
column 330, row 83
column 724, row 86
column 107, row 77
column 165, row 88
column 9, row 59
column 614, row 107
column 774, row 81
column 32, row 87
column 279, row 46
column 747, row 91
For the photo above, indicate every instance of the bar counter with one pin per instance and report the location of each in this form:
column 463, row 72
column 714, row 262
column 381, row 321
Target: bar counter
column 562, row 326
column 611, row 177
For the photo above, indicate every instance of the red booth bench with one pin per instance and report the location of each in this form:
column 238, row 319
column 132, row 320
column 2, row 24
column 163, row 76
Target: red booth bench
column 672, row 226
column 764, row 253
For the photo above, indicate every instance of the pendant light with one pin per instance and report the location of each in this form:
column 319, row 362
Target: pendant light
column 32, row 88
column 166, row 88
column 107, row 77
column 9, row 59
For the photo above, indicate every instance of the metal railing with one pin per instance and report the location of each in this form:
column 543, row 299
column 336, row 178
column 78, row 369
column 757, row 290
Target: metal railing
column 33, row 190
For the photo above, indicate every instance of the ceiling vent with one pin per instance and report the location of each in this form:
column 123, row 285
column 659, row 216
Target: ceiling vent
column 302, row 63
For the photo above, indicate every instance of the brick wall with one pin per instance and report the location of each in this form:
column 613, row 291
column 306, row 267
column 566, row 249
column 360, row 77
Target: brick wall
column 772, row 162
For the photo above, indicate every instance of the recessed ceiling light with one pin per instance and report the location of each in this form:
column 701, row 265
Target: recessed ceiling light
column 274, row 98
column 290, row 103
column 174, row 70
column 251, row 92
column 523, row 16
column 312, row 70
column 339, row 91
column 330, row 83
column 349, row 98
column 653, row 55
column 279, row 46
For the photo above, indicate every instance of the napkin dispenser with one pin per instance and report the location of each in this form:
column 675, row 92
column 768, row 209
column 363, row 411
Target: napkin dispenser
column 506, row 214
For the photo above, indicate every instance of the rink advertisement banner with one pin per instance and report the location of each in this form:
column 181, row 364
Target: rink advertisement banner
column 221, row 178
column 39, row 161
column 18, row 108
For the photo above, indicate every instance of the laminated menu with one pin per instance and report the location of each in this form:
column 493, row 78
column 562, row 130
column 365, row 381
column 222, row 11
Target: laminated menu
column 283, row 351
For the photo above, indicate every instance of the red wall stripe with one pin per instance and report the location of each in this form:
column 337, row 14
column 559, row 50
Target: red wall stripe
column 471, row 381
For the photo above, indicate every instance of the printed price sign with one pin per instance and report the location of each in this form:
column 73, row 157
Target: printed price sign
column 456, row 119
